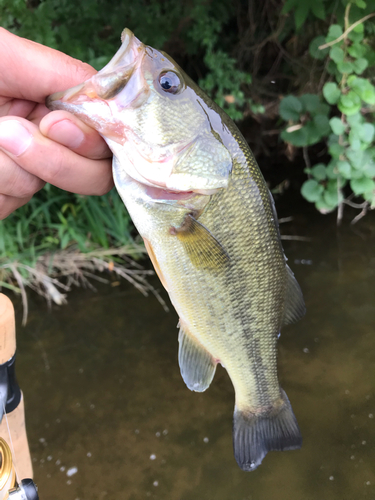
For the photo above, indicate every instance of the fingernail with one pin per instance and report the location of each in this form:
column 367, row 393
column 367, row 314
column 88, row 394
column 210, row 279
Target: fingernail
column 14, row 137
column 67, row 133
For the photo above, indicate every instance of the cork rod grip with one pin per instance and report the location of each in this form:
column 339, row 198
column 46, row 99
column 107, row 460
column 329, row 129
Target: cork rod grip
column 7, row 329
column 16, row 417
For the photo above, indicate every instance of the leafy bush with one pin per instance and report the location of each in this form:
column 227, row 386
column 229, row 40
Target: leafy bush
column 350, row 98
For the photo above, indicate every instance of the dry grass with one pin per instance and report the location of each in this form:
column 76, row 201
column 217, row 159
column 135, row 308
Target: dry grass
column 56, row 273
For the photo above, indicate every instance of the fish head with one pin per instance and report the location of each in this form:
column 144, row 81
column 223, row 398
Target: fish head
column 154, row 119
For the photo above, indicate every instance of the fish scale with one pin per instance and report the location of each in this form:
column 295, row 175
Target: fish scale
column 197, row 197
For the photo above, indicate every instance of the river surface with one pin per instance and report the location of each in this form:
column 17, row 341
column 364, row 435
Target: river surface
column 109, row 417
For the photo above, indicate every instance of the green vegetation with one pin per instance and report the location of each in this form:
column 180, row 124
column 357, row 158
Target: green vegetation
column 316, row 56
column 349, row 56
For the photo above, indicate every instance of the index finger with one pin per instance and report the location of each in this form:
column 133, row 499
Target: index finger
column 32, row 71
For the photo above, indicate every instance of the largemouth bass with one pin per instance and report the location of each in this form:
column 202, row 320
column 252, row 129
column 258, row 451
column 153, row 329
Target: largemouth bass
column 198, row 199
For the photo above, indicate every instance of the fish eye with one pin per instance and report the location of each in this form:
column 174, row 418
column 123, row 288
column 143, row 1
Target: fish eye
column 170, row 82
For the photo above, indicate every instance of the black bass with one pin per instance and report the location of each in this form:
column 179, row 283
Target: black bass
column 198, row 199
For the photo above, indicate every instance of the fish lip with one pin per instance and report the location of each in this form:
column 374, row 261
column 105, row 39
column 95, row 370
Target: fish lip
column 127, row 58
column 158, row 193
column 59, row 99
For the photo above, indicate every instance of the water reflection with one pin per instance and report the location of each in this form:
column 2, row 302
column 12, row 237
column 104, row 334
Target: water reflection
column 109, row 416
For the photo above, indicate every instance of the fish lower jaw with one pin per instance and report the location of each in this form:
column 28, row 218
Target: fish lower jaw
column 159, row 193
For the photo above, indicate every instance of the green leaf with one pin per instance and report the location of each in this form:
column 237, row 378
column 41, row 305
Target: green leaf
column 322, row 109
column 317, row 8
column 355, row 37
column 368, row 96
column 337, row 126
column 316, row 129
column 350, row 103
column 370, row 197
column 359, row 65
column 334, row 32
column 362, row 185
column 332, row 70
column 314, row 47
column 369, row 170
column 305, row 136
column 355, row 158
column 319, row 172
column 331, row 92
column 336, row 150
column 359, row 28
column 311, row 190
column 336, row 54
column 331, row 197
column 298, row 138
column 322, row 125
column 345, row 67
column 357, row 174
column 361, row 4
column 310, row 102
column 350, row 99
column 344, row 168
column 355, row 120
column 323, row 207
column 366, row 132
column 301, row 14
column 356, row 50
column 288, row 6
column 354, row 141
column 332, row 171
column 290, row 108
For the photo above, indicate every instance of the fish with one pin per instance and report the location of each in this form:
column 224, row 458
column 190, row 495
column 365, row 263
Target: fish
column 198, row 199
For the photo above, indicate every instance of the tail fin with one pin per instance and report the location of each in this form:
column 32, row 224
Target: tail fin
column 255, row 436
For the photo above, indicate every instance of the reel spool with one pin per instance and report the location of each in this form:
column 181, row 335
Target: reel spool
column 9, row 490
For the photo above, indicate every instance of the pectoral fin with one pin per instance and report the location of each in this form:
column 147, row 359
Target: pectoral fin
column 294, row 307
column 196, row 363
column 203, row 249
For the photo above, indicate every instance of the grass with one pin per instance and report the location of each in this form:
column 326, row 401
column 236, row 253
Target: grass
column 60, row 239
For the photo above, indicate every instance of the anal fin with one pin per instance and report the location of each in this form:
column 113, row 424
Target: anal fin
column 255, row 435
column 294, row 307
column 196, row 363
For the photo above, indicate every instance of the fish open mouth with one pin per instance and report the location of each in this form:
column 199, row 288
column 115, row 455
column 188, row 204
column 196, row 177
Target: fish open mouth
column 98, row 100
column 158, row 193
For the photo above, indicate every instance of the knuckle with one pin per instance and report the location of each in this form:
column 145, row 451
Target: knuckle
column 22, row 184
column 103, row 189
column 55, row 167
column 80, row 71
column 105, row 185
column 6, row 206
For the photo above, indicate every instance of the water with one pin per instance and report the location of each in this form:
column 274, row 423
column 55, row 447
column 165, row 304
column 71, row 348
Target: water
column 108, row 415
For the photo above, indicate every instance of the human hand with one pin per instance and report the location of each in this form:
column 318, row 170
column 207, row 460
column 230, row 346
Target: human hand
column 36, row 145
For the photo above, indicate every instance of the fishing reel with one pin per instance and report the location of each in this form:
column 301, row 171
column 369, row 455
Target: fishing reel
column 9, row 489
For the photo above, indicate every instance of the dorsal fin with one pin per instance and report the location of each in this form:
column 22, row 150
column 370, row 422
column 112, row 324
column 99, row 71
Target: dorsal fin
column 196, row 363
column 294, row 307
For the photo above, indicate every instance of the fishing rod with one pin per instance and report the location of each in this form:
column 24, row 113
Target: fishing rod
column 16, row 470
